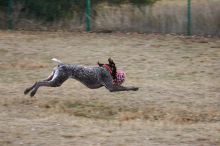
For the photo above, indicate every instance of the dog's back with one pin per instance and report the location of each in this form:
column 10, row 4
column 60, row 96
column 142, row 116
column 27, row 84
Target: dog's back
column 91, row 76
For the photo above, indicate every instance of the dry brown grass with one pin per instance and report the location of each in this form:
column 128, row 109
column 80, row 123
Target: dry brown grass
column 165, row 16
column 177, row 104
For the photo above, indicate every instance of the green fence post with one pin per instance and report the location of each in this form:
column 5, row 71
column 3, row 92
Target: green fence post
column 88, row 14
column 189, row 18
column 10, row 13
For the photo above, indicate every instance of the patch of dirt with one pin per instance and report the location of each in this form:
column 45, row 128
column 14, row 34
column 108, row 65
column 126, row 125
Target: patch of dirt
column 178, row 102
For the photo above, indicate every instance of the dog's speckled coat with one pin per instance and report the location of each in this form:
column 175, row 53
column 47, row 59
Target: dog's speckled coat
column 91, row 76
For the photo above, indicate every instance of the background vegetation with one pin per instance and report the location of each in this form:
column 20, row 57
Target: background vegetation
column 145, row 16
column 51, row 10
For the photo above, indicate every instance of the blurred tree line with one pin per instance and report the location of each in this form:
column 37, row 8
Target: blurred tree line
column 51, row 10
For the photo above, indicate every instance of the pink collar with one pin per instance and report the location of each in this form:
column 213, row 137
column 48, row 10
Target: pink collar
column 108, row 68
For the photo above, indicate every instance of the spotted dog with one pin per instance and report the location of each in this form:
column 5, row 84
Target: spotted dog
column 91, row 76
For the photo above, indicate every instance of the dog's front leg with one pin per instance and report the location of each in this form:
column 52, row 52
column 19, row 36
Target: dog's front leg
column 114, row 88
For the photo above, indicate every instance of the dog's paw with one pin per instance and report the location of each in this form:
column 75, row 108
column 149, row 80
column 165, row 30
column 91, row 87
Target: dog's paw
column 32, row 93
column 135, row 88
column 26, row 91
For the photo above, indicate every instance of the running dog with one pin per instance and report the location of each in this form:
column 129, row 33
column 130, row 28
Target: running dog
column 91, row 76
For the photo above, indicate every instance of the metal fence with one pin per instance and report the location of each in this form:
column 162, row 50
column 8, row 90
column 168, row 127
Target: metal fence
column 89, row 18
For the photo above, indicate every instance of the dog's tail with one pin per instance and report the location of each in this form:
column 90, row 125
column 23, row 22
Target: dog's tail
column 57, row 61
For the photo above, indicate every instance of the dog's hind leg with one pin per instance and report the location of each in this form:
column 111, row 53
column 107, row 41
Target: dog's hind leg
column 38, row 84
column 56, row 81
column 27, row 90
column 50, row 77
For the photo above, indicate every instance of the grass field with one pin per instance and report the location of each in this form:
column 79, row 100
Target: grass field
column 178, row 102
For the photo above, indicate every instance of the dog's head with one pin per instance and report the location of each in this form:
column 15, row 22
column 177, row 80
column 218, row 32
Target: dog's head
column 112, row 66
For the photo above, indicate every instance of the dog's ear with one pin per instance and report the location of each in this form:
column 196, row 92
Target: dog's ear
column 100, row 64
column 114, row 69
column 111, row 62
